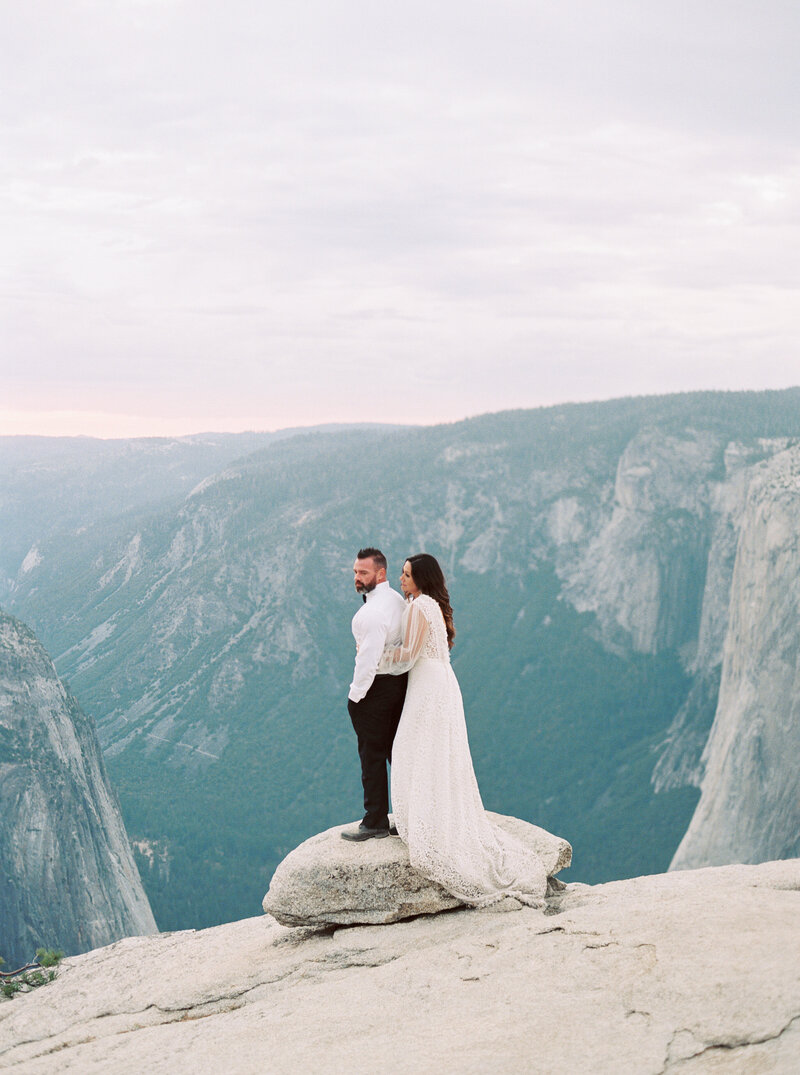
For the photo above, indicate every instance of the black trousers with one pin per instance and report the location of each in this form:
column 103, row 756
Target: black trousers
column 375, row 719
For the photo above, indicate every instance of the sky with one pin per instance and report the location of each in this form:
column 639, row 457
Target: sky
column 254, row 215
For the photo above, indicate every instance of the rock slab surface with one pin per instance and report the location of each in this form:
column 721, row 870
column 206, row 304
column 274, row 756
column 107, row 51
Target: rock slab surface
column 693, row 973
column 330, row 881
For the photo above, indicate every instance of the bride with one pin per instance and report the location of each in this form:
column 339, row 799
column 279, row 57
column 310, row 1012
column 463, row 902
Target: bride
column 437, row 806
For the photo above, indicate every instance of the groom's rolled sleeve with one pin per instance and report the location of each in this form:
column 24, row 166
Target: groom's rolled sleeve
column 370, row 650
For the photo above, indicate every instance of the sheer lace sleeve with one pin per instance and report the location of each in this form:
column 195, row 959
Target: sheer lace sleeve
column 399, row 659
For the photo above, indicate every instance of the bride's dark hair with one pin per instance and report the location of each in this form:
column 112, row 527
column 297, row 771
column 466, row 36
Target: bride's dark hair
column 429, row 579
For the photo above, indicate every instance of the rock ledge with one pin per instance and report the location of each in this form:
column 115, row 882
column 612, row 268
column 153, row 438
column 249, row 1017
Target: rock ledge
column 685, row 973
column 328, row 881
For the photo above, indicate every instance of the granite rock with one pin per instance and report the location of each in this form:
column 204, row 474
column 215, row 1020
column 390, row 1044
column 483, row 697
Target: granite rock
column 330, row 881
column 749, row 808
column 68, row 878
column 685, row 973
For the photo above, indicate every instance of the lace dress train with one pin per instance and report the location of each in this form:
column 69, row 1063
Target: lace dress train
column 435, row 798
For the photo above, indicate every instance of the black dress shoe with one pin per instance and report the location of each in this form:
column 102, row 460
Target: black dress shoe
column 363, row 833
column 393, row 830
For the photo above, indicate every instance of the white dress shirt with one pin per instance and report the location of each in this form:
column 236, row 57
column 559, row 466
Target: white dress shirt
column 377, row 623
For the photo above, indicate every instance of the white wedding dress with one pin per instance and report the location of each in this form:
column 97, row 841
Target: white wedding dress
column 437, row 806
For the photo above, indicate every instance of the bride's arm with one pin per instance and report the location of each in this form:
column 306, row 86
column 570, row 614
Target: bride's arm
column 399, row 659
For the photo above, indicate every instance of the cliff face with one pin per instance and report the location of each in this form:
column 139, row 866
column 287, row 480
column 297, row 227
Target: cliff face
column 749, row 808
column 706, row 558
column 643, row 572
column 68, row 879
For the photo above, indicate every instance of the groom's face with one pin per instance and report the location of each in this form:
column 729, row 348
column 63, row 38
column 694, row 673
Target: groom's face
column 367, row 576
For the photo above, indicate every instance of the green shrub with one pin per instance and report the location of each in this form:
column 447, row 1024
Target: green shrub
column 38, row 972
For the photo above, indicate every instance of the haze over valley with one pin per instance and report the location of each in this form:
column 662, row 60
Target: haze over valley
column 624, row 581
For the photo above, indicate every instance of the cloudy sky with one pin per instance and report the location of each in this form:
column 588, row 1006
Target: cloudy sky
column 248, row 215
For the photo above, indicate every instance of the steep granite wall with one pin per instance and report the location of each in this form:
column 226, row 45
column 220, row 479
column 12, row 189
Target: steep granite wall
column 643, row 573
column 749, row 810
column 67, row 875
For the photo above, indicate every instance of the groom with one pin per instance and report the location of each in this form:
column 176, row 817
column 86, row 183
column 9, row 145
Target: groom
column 375, row 702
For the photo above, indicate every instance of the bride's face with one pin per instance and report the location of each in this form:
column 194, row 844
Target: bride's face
column 407, row 584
